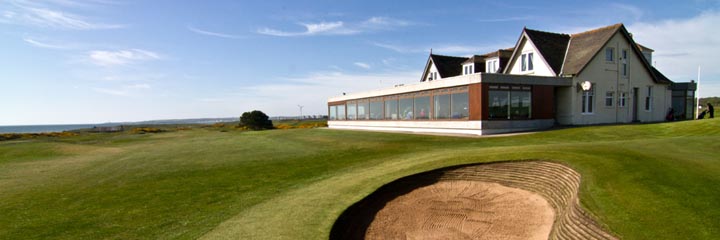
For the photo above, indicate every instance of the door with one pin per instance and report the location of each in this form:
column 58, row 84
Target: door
column 635, row 105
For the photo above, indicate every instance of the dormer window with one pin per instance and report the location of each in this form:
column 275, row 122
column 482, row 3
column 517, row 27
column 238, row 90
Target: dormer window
column 492, row 66
column 527, row 62
column 468, row 69
column 432, row 76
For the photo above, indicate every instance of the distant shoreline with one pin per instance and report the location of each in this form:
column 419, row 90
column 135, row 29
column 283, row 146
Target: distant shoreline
column 48, row 128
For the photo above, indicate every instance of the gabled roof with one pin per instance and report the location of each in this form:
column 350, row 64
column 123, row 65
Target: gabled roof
column 643, row 48
column 448, row 66
column 474, row 59
column 552, row 46
column 661, row 78
column 585, row 45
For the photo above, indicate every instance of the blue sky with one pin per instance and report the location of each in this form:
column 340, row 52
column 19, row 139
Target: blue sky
column 92, row 61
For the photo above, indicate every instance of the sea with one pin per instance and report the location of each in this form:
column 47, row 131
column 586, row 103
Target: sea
column 44, row 128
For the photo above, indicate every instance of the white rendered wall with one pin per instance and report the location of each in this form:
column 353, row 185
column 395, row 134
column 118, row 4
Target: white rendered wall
column 453, row 127
column 607, row 77
column 540, row 68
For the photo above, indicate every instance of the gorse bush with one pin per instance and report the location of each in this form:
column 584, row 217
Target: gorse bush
column 11, row 136
column 143, row 130
column 256, row 120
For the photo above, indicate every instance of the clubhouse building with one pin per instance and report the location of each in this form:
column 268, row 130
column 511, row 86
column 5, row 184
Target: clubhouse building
column 601, row 76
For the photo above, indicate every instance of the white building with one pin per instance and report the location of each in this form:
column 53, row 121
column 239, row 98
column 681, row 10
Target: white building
column 595, row 77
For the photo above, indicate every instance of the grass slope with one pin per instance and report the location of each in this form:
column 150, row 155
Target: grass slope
column 653, row 181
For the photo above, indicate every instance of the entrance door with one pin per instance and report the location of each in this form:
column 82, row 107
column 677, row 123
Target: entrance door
column 635, row 105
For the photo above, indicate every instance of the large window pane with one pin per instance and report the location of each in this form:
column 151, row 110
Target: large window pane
column 498, row 102
column 460, row 106
column 520, row 104
column 333, row 113
column 406, row 108
column 362, row 110
column 341, row 112
column 351, row 111
column 422, row 107
column 391, row 109
column 376, row 110
column 442, row 106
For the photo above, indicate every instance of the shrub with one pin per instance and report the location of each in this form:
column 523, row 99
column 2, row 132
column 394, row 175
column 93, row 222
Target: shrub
column 256, row 120
column 142, row 130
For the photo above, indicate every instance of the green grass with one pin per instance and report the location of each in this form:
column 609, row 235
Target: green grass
column 652, row 181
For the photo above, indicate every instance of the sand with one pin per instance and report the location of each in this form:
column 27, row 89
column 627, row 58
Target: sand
column 502, row 200
column 464, row 210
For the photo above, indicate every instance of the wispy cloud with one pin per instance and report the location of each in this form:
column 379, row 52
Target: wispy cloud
column 140, row 86
column 46, row 45
column 398, row 48
column 214, row 34
column 362, row 65
column 57, row 19
column 635, row 12
column 113, row 92
column 384, row 23
column 40, row 14
column 121, row 57
column 323, row 28
column 339, row 27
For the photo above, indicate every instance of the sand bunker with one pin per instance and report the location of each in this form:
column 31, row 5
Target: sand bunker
column 508, row 200
column 464, row 210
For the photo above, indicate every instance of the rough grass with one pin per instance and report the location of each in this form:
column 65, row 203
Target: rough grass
column 652, row 181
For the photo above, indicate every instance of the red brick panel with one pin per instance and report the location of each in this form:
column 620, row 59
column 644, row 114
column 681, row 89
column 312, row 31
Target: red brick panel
column 543, row 102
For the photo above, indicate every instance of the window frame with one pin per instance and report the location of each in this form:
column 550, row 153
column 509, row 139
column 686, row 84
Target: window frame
column 625, row 69
column 491, row 65
column 610, row 53
column 622, row 99
column 588, row 101
column 508, row 90
column 609, row 98
column 649, row 99
column 527, row 65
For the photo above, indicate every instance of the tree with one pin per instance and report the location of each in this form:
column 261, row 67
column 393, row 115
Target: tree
column 256, row 120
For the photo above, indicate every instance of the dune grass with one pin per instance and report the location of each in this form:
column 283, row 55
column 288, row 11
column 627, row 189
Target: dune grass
column 651, row 181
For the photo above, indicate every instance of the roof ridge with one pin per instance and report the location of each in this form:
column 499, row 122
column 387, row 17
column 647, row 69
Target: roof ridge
column 617, row 25
column 440, row 55
column 541, row 31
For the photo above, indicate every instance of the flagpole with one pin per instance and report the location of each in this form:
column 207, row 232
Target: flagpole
column 697, row 95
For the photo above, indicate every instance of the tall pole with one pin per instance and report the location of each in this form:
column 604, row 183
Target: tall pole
column 697, row 95
column 301, row 107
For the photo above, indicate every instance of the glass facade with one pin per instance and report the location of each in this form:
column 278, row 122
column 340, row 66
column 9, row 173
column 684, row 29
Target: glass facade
column 391, row 109
column 504, row 102
column 351, row 111
column 422, row 107
column 442, row 106
column 376, row 110
column 406, row 108
column 498, row 102
column 341, row 112
column 460, row 106
column 509, row 102
column 362, row 110
column 520, row 104
column 333, row 113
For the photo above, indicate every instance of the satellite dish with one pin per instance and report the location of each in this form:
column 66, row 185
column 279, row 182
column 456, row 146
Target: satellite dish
column 586, row 85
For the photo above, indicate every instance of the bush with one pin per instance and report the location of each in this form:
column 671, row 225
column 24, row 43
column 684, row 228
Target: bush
column 143, row 130
column 256, row 120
